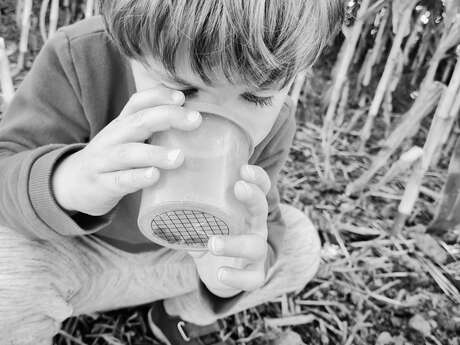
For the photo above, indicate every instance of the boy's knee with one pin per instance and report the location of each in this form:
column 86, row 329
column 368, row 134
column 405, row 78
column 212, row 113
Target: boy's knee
column 31, row 304
column 300, row 233
column 301, row 250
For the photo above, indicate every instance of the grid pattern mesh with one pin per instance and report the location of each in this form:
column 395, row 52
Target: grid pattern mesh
column 187, row 227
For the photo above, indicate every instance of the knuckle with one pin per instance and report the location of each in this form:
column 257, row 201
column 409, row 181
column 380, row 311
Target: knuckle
column 121, row 153
column 138, row 120
column 133, row 98
column 118, row 181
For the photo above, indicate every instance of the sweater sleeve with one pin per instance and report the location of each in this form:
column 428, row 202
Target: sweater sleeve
column 272, row 159
column 44, row 122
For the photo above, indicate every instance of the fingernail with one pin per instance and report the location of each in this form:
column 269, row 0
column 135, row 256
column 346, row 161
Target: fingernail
column 178, row 97
column 250, row 172
column 217, row 245
column 220, row 274
column 193, row 116
column 149, row 173
column 245, row 189
column 173, row 155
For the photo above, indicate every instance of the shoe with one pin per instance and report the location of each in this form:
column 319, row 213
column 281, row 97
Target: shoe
column 172, row 330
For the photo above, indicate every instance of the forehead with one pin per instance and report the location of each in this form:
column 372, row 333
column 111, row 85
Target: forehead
column 215, row 76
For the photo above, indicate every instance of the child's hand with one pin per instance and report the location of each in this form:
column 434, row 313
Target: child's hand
column 235, row 263
column 116, row 161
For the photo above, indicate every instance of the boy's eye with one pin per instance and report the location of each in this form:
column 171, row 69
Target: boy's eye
column 259, row 101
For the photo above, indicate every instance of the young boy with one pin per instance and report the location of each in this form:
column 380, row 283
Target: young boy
column 74, row 160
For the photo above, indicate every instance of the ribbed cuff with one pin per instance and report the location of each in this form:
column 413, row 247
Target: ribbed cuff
column 45, row 205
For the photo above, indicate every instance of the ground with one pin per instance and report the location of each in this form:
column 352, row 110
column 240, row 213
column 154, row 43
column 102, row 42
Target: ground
column 373, row 287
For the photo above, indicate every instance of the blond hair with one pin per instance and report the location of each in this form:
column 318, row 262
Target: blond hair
column 260, row 43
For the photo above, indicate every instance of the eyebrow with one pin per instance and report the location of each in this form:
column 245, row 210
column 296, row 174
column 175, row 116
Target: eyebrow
column 185, row 83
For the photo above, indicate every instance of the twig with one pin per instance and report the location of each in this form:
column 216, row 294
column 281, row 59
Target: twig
column 345, row 59
column 438, row 126
column 289, row 320
column 90, row 9
column 423, row 105
column 54, row 15
column 43, row 10
column 6, row 81
column 382, row 87
column 25, row 27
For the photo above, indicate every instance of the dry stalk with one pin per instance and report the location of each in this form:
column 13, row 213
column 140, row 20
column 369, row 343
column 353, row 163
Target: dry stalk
column 402, row 31
column 90, row 9
column 54, row 16
column 453, row 115
column 376, row 51
column 19, row 9
column 342, row 108
column 420, row 56
column 297, row 87
column 450, row 38
column 404, row 163
column 343, row 64
column 439, row 125
column 25, row 27
column 412, row 40
column 423, row 105
column 6, row 82
column 448, row 70
column 68, row 15
column 289, row 320
column 43, row 10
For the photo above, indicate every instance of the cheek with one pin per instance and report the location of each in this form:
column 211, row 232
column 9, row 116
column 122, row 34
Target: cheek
column 262, row 121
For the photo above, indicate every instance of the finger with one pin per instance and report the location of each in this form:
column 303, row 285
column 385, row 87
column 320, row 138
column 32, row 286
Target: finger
column 257, row 175
column 140, row 155
column 128, row 181
column 197, row 254
column 153, row 97
column 140, row 126
column 243, row 279
column 248, row 246
column 256, row 204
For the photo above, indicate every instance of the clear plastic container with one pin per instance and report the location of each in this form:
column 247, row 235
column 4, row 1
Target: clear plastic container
column 189, row 204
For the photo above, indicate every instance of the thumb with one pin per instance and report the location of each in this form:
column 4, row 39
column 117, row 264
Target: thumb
column 197, row 254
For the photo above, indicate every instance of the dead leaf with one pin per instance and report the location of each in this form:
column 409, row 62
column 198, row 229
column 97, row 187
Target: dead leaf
column 419, row 323
column 287, row 337
column 384, row 338
column 431, row 248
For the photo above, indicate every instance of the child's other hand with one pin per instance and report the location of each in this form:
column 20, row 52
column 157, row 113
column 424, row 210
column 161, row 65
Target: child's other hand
column 235, row 263
column 117, row 161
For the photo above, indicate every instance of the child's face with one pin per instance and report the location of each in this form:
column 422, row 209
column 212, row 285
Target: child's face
column 233, row 100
